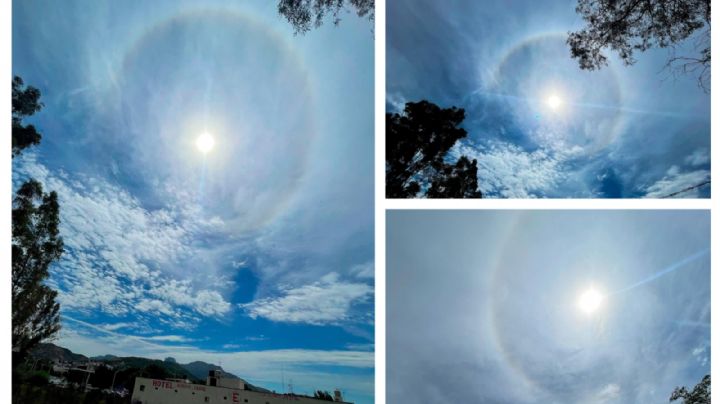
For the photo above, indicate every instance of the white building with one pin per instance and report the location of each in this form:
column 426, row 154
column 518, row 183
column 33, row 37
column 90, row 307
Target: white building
column 216, row 390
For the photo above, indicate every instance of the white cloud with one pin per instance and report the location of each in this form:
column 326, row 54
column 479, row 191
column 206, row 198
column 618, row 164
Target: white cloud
column 122, row 258
column 116, row 326
column 677, row 181
column 698, row 157
column 609, row 393
column 701, row 355
column 169, row 338
column 507, row 171
column 327, row 301
column 364, row 271
column 397, row 102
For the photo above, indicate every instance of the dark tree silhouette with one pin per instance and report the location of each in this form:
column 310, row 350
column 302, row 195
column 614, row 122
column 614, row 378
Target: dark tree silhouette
column 307, row 14
column 456, row 181
column 323, row 395
column 627, row 26
column 700, row 394
column 417, row 142
column 36, row 244
column 25, row 102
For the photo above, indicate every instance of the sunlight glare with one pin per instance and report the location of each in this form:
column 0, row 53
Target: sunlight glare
column 205, row 142
column 590, row 301
column 554, row 102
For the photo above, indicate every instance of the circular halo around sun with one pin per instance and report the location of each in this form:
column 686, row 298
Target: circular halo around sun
column 555, row 104
column 232, row 96
column 205, row 143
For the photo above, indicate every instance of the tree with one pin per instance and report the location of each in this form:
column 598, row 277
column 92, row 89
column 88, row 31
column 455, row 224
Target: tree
column 25, row 102
column 456, row 181
column 306, row 14
column 323, row 395
column 700, row 394
column 627, row 26
column 36, row 244
column 416, row 145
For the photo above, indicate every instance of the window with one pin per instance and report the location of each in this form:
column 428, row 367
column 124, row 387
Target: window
column 207, row 399
column 142, row 387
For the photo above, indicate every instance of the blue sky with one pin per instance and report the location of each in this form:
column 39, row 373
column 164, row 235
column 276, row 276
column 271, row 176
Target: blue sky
column 621, row 132
column 258, row 256
column 483, row 306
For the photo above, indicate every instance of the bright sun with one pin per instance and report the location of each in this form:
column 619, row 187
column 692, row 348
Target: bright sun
column 205, row 142
column 554, row 102
column 590, row 301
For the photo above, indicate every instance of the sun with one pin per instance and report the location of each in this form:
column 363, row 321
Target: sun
column 554, row 102
column 590, row 301
column 205, row 142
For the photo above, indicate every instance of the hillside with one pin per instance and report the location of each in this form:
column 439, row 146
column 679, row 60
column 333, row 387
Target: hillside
column 53, row 352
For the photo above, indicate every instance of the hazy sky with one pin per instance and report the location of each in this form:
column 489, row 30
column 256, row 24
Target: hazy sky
column 259, row 256
column 482, row 306
column 619, row 132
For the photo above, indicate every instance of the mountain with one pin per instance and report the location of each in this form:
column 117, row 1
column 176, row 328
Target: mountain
column 201, row 369
column 195, row 371
column 52, row 352
column 103, row 357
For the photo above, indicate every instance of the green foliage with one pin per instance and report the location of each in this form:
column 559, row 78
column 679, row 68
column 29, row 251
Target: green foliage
column 627, row 26
column 416, row 145
column 36, row 243
column 700, row 394
column 25, row 102
column 306, row 14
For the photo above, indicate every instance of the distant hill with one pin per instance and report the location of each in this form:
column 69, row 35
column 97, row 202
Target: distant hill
column 195, row 371
column 52, row 352
column 171, row 369
column 201, row 369
column 103, row 357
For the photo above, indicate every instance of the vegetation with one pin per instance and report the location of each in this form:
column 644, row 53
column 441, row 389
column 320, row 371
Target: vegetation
column 25, row 102
column 36, row 242
column 304, row 15
column 416, row 145
column 323, row 395
column 700, row 394
column 627, row 26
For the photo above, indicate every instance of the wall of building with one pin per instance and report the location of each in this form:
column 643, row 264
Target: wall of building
column 153, row 391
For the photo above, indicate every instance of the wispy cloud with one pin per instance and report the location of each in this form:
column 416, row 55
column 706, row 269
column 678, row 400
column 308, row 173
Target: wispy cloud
column 676, row 180
column 328, row 301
